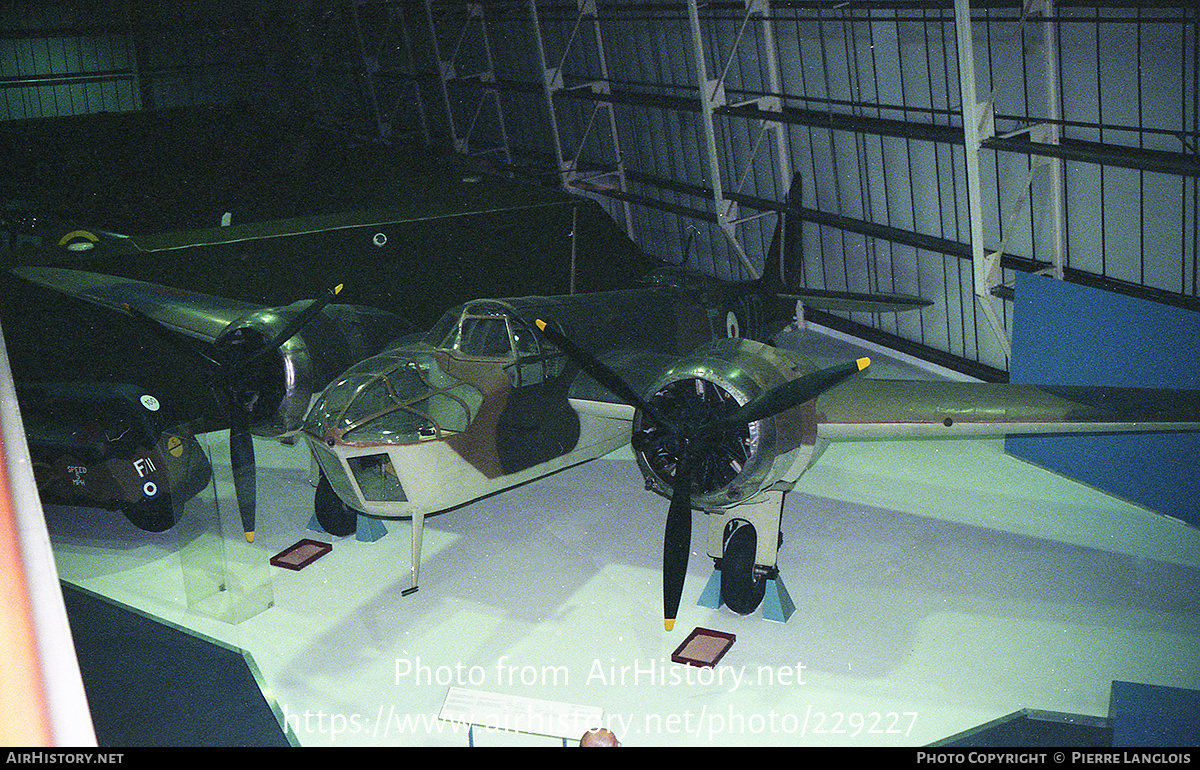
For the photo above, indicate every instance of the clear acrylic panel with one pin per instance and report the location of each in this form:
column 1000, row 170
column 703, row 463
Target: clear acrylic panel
column 224, row 576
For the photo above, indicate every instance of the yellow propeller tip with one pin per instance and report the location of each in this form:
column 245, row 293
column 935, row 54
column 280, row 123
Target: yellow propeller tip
column 539, row 323
column 249, row 537
column 863, row 363
column 338, row 289
column 669, row 623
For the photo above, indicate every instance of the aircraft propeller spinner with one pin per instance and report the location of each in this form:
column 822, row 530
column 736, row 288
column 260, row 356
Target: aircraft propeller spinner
column 691, row 436
column 236, row 368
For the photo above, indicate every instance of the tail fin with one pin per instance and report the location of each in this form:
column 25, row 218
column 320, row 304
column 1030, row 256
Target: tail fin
column 783, row 269
column 784, row 262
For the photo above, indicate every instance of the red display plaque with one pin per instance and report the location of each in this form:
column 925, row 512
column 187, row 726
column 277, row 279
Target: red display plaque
column 703, row 647
column 300, row 555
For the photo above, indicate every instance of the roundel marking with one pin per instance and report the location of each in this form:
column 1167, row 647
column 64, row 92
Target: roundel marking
column 733, row 329
column 75, row 234
column 69, row 240
column 150, row 489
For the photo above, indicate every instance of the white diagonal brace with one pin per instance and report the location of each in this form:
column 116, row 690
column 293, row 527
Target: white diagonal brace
column 976, row 120
column 712, row 94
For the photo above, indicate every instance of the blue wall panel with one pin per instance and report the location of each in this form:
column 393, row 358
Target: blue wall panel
column 1069, row 334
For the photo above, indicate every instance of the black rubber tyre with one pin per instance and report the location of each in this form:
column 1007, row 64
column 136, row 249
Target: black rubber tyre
column 155, row 515
column 742, row 589
column 334, row 516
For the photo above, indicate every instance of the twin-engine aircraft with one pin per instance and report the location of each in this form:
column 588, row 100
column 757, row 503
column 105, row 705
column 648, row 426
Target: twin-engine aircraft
column 503, row 391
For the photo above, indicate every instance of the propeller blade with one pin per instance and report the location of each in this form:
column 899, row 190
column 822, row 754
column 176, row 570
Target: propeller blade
column 241, row 440
column 786, row 396
column 601, row 373
column 677, row 542
column 245, row 473
column 695, row 445
column 297, row 323
column 229, row 372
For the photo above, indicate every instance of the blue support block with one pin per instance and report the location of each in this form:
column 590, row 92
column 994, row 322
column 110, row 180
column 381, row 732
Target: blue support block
column 711, row 596
column 369, row 529
column 777, row 603
column 1153, row 715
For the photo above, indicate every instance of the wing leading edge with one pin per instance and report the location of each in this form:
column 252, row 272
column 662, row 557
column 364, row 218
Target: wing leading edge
column 868, row 408
column 200, row 316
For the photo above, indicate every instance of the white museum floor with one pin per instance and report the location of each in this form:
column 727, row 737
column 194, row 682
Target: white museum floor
column 939, row 584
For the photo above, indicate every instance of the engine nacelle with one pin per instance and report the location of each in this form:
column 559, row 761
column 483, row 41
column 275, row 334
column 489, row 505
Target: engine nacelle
column 285, row 380
column 707, row 384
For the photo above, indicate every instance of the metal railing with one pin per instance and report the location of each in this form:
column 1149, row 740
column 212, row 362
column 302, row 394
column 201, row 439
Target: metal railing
column 1076, row 155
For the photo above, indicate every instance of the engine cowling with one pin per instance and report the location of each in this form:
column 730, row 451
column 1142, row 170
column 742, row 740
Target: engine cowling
column 283, row 382
column 708, row 384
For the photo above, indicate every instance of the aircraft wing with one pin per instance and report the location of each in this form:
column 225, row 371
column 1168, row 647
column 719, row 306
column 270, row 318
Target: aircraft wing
column 638, row 368
column 610, row 410
column 823, row 299
column 200, row 316
column 866, row 408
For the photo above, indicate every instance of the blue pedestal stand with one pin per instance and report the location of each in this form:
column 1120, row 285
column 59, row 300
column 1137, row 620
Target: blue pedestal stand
column 368, row 529
column 711, row 595
column 777, row 603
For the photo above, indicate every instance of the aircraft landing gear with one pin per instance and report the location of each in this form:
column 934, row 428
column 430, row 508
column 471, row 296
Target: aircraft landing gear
column 334, row 516
column 744, row 549
column 742, row 584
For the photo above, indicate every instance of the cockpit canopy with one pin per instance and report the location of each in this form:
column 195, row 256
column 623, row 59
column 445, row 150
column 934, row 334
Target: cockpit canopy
column 492, row 330
column 435, row 390
column 394, row 398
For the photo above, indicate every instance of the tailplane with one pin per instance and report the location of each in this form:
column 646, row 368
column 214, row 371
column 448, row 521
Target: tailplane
column 782, row 271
